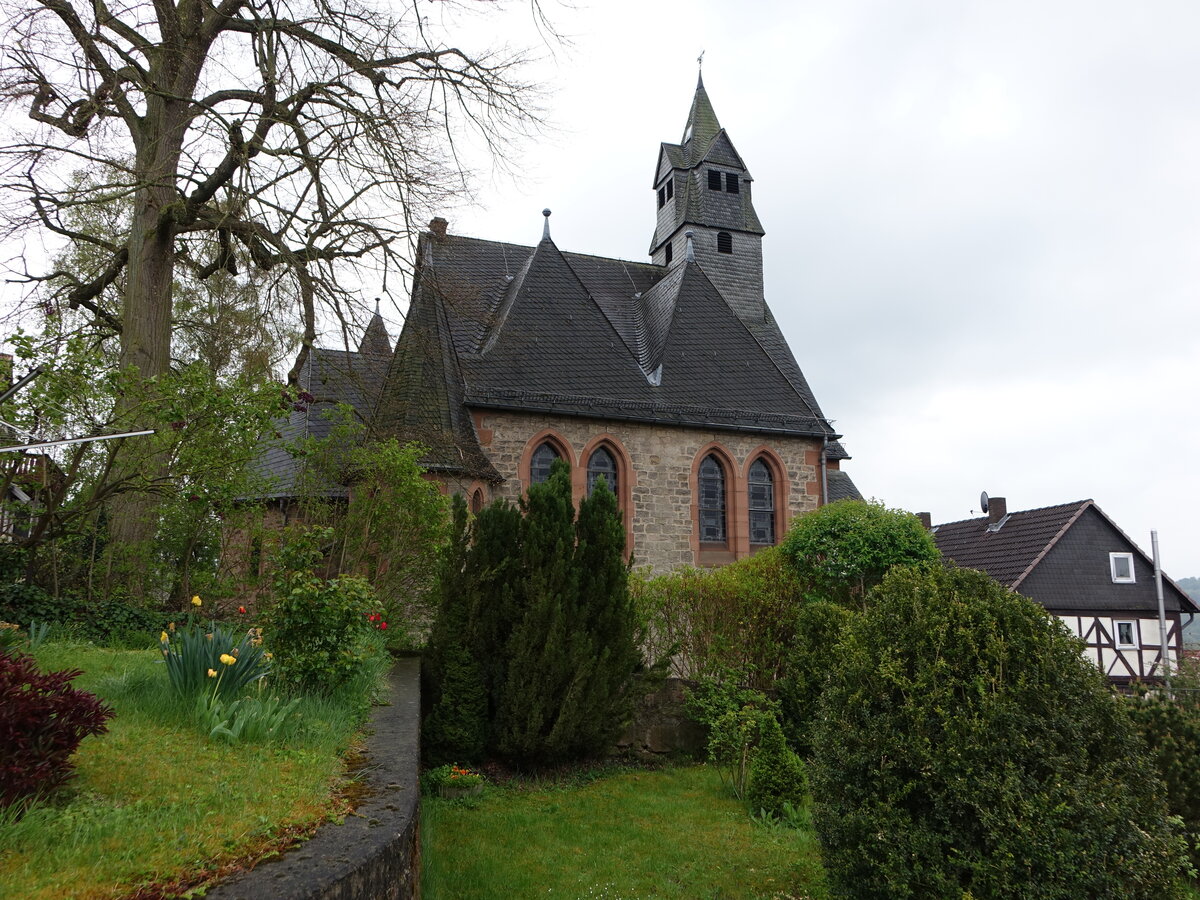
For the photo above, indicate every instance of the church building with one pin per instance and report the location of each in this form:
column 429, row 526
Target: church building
column 669, row 378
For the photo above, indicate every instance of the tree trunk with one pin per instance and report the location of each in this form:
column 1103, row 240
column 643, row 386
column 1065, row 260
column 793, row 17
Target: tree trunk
column 145, row 346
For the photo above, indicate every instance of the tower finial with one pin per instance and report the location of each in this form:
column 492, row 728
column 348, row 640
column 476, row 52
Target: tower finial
column 690, row 252
column 546, row 225
column 376, row 306
column 700, row 70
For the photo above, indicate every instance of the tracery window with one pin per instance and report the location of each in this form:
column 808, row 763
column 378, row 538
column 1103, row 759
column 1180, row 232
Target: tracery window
column 762, row 504
column 710, row 484
column 601, row 462
column 541, row 461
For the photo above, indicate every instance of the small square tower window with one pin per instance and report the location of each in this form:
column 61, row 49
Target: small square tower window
column 732, row 183
column 714, row 180
column 1125, row 634
column 724, row 242
column 1121, row 566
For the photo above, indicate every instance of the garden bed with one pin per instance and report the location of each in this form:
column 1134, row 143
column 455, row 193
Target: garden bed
column 157, row 807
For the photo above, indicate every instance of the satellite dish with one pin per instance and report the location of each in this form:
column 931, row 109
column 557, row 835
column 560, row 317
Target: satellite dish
column 983, row 502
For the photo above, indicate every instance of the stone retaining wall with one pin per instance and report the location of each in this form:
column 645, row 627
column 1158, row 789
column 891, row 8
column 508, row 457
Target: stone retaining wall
column 376, row 852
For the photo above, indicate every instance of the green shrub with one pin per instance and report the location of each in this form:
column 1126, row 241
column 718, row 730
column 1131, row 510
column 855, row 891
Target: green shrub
column 322, row 631
column 739, row 617
column 252, row 720
column 819, row 628
column 842, row 550
column 1169, row 725
column 42, row 722
column 736, row 717
column 109, row 621
column 777, row 776
column 966, row 748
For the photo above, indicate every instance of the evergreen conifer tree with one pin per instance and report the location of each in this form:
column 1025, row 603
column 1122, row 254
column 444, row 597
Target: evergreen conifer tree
column 457, row 725
column 542, row 651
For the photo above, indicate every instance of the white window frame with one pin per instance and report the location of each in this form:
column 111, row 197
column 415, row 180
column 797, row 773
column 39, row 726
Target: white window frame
column 1112, row 568
column 1132, row 643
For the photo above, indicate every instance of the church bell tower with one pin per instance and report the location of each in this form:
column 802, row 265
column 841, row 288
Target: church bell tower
column 701, row 185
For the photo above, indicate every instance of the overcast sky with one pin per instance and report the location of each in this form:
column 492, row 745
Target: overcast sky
column 983, row 226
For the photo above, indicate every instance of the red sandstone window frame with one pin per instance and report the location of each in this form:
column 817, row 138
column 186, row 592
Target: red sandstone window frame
column 782, row 490
column 545, row 436
column 710, row 553
column 625, row 478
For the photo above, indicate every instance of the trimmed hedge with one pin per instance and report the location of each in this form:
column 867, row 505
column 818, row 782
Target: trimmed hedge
column 966, row 748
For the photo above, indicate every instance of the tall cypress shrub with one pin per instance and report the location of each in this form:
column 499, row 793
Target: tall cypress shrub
column 543, row 652
column 607, row 621
column 457, row 725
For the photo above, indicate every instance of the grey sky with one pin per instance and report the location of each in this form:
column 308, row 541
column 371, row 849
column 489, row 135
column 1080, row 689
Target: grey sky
column 983, row 226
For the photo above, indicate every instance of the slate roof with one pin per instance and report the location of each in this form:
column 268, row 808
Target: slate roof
column 1058, row 555
column 498, row 325
column 332, row 377
column 840, row 486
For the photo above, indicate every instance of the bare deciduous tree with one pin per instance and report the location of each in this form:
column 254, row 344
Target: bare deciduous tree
column 296, row 135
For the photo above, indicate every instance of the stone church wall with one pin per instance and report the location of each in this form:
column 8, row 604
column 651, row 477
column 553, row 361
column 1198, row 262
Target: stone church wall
column 658, row 473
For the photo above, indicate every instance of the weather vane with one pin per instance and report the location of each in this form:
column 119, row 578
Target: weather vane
column 700, row 59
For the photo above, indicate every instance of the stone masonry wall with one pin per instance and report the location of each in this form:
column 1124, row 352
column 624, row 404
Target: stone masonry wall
column 658, row 466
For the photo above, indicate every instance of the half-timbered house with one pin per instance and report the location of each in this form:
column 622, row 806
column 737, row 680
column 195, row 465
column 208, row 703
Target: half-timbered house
column 1076, row 562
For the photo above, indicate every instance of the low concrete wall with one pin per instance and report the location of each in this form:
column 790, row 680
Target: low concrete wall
column 376, row 852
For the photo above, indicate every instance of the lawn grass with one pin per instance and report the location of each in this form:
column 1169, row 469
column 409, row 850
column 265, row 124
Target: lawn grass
column 154, row 801
column 673, row 833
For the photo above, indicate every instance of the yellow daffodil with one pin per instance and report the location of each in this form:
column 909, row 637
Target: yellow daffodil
column 196, row 600
column 171, row 627
column 162, row 638
column 268, row 655
column 227, row 659
column 212, row 673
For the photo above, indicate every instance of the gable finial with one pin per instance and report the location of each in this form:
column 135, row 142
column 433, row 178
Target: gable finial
column 689, row 253
column 546, row 225
column 376, row 306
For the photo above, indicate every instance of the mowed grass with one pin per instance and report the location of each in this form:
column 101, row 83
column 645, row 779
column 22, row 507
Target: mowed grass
column 674, row 833
column 155, row 803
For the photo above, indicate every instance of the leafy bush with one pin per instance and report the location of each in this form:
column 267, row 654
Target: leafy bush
column 777, row 776
column 319, row 629
column 736, row 717
column 738, row 617
column 212, row 659
column 1169, row 725
column 965, row 747
column 842, row 550
column 42, row 722
column 807, row 663
column 109, row 621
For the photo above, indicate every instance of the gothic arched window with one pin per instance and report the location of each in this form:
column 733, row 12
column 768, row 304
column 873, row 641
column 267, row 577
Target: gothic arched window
column 710, row 485
column 477, row 501
column 601, row 462
column 762, row 504
column 541, row 461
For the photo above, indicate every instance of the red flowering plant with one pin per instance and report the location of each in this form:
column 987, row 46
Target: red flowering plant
column 451, row 775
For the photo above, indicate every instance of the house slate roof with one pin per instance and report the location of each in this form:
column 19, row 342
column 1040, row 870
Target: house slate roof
column 533, row 328
column 331, row 377
column 1058, row 556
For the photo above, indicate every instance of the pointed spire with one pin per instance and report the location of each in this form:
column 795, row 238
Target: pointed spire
column 702, row 125
column 375, row 340
column 546, row 225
